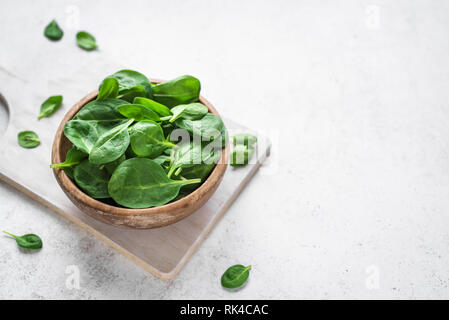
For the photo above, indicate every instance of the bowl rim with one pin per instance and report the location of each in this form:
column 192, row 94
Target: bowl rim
column 69, row 186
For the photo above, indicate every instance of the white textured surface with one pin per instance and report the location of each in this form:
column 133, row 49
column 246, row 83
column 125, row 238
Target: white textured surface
column 360, row 178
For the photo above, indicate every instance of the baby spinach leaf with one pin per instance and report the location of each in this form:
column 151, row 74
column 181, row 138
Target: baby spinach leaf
column 162, row 159
column 192, row 111
column 199, row 171
column 138, row 112
column 132, row 81
column 160, row 109
column 147, row 139
column 241, row 155
column 235, row 276
column 111, row 144
column 83, row 134
column 92, row 180
column 93, row 120
column 101, row 110
column 72, row 158
column 108, row 89
column 142, row 183
column 188, row 155
column 130, row 94
column 86, row 41
column 111, row 166
column 50, row 106
column 53, row 31
column 208, row 127
column 27, row 241
column 28, row 139
column 182, row 90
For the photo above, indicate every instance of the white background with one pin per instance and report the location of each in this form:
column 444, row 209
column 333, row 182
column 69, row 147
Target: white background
column 354, row 95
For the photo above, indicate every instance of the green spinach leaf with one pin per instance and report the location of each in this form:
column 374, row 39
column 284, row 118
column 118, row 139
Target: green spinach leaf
column 111, row 145
column 192, row 111
column 208, row 127
column 92, row 180
column 235, row 276
column 108, row 89
column 50, row 106
column 199, row 171
column 147, row 139
column 111, row 166
column 28, row 139
column 192, row 154
column 182, row 90
column 93, row 120
column 138, row 112
column 131, row 83
column 160, row 109
column 27, row 241
column 131, row 93
column 86, row 41
column 72, row 158
column 142, row 183
column 53, row 31
column 101, row 110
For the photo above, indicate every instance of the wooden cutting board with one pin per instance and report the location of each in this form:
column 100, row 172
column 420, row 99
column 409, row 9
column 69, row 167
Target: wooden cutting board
column 163, row 251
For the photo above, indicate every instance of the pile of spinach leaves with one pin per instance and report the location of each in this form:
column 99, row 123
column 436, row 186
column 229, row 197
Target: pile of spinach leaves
column 142, row 144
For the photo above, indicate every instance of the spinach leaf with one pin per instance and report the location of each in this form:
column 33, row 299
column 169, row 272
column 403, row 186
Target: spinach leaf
column 111, row 166
column 72, row 158
column 86, row 41
column 132, row 81
column 191, row 154
column 138, row 112
column 162, row 159
column 199, row 171
column 93, row 120
column 241, row 155
column 83, row 134
column 53, row 31
column 160, row 109
column 92, row 180
column 111, row 144
column 208, row 127
column 182, row 90
column 27, row 241
column 108, row 89
column 147, row 139
column 28, row 139
column 130, row 94
column 142, row 183
column 192, row 111
column 101, row 110
column 235, row 276
column 50, row 106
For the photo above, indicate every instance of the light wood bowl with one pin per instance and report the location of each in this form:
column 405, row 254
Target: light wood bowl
column 133, row 218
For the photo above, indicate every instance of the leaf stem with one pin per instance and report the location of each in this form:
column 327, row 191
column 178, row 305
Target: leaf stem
column 63, row 165
column 170, row 171
column 169, row 144
column 190, row 181
column 10, row 234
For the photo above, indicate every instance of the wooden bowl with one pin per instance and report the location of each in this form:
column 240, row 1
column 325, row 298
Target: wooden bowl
column 133, row 218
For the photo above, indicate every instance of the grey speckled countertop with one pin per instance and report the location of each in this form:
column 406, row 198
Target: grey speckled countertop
column 354, row 96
